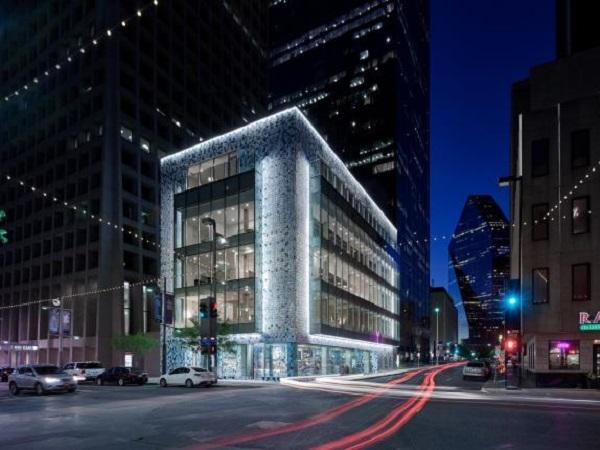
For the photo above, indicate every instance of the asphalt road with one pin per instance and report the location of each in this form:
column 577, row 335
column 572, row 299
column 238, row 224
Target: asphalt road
column 458, row 415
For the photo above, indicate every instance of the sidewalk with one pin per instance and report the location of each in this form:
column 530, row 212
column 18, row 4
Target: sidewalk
column 555, row 393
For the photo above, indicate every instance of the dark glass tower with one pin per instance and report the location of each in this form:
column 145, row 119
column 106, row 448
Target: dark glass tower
column 479, row 254
column 90, row 134
column 360, row 71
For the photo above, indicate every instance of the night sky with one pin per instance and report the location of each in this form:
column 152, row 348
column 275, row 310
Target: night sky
column 478, row 49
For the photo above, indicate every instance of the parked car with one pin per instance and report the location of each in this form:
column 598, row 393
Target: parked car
column 189, row 377
column 41, row 379
column 477, row 369
column 84, row 371
column 122, row 376
column 5, row 372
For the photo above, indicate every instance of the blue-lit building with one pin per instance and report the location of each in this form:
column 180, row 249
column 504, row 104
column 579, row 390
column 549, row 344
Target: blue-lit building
column 479, row 261
column 359, row 70
column 305, row 261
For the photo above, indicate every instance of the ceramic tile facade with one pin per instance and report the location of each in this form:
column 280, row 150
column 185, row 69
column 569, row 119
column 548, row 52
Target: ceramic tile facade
column 284, row 150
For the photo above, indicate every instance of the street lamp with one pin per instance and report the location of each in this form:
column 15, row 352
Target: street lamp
column 437, row 331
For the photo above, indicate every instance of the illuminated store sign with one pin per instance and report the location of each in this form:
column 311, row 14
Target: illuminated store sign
column 587, row 323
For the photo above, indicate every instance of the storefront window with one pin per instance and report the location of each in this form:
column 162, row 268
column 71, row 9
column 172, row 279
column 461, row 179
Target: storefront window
column 563, row 355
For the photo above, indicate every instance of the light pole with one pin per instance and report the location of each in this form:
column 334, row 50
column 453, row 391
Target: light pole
column 212, row 321
column 437, row 332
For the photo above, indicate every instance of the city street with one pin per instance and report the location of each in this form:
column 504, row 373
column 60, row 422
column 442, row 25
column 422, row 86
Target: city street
column 406, row 413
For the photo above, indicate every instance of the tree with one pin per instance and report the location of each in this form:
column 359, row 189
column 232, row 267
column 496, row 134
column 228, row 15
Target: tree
column 138, row 344
column 191, row 336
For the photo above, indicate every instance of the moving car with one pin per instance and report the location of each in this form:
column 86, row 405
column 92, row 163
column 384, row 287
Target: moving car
column 5, row 372
column 85, row 370
column 122, row 376
column 477, row 369
column 41, row 378
column 188, row 377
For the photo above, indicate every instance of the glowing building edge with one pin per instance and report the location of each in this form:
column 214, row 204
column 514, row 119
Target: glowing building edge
column 287, row 334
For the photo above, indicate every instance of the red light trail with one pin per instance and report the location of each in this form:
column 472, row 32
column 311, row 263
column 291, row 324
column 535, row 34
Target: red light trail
column 320, row 418
column 391, row 423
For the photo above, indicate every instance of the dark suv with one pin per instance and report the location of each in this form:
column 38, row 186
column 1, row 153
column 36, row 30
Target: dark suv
column 122, row 376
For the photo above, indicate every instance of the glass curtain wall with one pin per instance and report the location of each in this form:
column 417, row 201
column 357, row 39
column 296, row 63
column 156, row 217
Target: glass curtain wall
column 230, row 203
column 359, row 282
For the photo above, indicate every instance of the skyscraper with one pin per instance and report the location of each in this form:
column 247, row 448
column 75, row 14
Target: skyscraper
column 479, row 255
column 359, row 70
column 110, row 87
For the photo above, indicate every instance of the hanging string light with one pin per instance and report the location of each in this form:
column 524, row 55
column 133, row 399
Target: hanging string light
column 82, row 49
column 81, row 294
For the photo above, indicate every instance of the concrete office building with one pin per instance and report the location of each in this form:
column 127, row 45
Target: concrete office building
column 446, row 327
column 305, row 273
column 359, row 70
column 555, row 154
column 90, row 133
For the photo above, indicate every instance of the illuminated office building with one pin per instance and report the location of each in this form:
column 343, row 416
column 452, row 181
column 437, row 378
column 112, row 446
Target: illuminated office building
column 359, row 70
column 305, row 272
column 90, row 133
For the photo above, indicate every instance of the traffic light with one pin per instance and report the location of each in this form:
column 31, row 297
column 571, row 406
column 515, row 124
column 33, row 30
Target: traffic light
column 213, row 309
column 511, row 345
column 3, row 232
column 203, row 311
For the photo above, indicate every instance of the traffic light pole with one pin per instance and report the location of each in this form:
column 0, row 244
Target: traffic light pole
column 163, row 310
column 212, row 328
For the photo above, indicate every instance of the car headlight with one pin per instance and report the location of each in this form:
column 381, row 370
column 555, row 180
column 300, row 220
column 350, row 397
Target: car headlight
column 51, row 380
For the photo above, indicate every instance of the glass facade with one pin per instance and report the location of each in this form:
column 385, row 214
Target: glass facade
column 479, row 259
column 215, row 191
column 355, row 283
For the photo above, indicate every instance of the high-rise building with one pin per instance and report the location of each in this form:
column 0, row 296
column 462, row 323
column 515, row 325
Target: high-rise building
column 555, row 140
column 305, row 274
column 359, row 70
column 110, row 87
column 444, row 323
column 479, row 254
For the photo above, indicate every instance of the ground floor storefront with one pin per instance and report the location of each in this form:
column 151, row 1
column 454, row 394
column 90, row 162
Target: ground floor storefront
column 252, row 359
column 562, row 360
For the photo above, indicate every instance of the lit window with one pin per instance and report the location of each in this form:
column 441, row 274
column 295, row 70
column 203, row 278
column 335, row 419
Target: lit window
column 580, row 217
column 126, row 134
column 145, row 145
column 364, row 54
column 540, row 285
column 563, row 355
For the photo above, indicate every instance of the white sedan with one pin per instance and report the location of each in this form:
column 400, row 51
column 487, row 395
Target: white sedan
column 188, row 377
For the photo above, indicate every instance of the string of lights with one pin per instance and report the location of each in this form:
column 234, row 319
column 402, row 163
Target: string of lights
column 80, row 294
column 78, row 51
column 550, row 215
column 105, row 34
